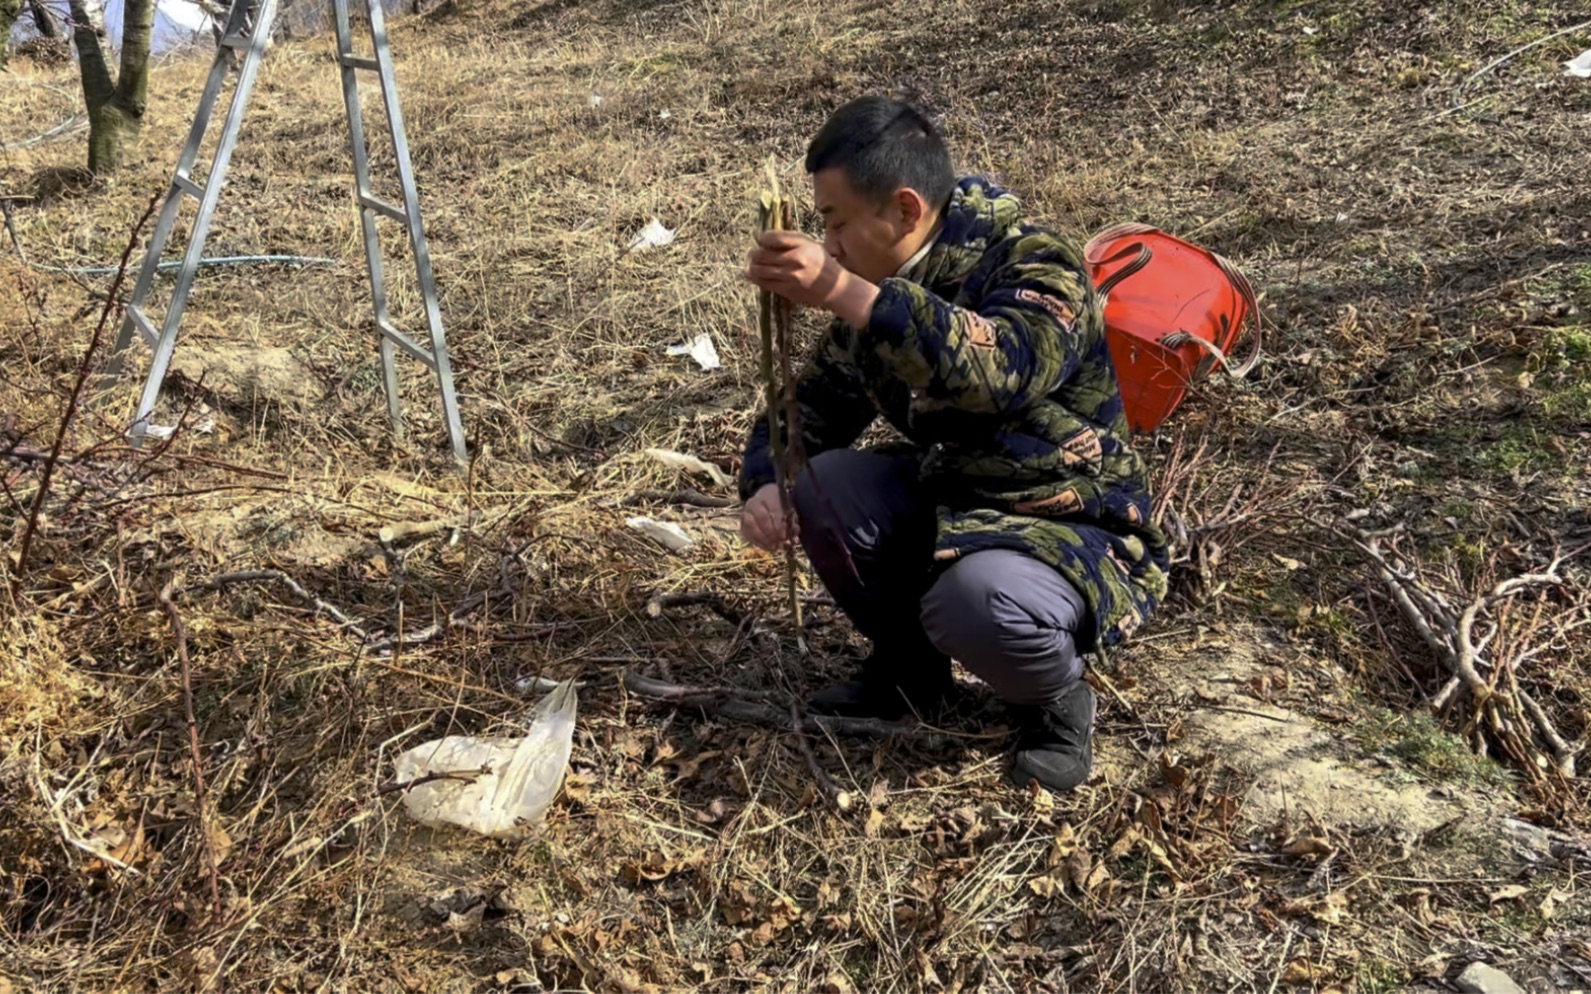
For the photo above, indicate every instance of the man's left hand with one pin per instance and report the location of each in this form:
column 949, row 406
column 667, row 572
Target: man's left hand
column 801, row 271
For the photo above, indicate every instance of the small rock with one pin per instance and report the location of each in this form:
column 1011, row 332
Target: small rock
column 1479, row 978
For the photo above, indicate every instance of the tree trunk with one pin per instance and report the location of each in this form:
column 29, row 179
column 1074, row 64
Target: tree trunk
column 115, row 107
column 44, row 20
column 9, row 9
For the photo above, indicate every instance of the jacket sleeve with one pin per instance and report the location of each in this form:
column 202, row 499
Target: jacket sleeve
column 1022, row 338
column 831, row 401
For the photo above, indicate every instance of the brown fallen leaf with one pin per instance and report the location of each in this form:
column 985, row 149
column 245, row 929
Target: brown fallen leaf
column 577, row 789
column 1040, row 800
column 220, row 842
column 873, row 823
column 718, row 811
column 1302, row 972
column 1124, row 845
column 1549, row 904
column 1065, row 844
column 1172, row 773
column 1308, row 845
column 652, row 868
column 1098, row 877
column 1329, row 909
column 878, row 793
column 1046, row 886
column 688, row 766
column 1078, row 867
column 837, row 983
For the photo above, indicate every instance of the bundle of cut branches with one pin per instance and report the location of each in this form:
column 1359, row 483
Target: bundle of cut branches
column 1484, row 645
column 776, row 213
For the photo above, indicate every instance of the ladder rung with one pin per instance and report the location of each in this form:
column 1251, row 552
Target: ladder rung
column 189, row 187
column 359, row 62
column 384, row 207
column 141, row 322
column 407, row 344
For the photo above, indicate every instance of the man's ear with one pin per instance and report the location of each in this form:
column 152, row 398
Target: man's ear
column 910, row 208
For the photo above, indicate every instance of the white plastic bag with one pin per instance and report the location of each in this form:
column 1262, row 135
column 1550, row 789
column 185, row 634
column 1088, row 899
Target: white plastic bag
column 666, row 533
column 654, row 235
column 701, row 349
column 525, row 772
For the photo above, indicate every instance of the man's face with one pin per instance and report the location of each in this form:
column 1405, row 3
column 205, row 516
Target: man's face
column 869, row 238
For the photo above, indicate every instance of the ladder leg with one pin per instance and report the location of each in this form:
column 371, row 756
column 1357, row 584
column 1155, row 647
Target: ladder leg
column 207, row 203
column 169, row 209
column 367, row 215
column 389, row 382
column 411, row 203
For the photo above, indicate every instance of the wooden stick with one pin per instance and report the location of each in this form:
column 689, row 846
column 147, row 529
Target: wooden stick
column 831, row 790
column 193, row 745
column 773, row 314
column 759, row 706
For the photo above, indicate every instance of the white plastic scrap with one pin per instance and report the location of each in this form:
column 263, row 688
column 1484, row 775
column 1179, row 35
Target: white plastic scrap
column 596, row 100
column 525, row 775
column 701, row 349
column 204, row 426
column 654, row 235
column 671, row 536
column 1579, row 66
column 680, row 460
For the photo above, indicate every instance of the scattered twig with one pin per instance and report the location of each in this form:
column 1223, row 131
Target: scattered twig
column 684, row 495
column 199, row 805
column 73, row 401
column 753, row 705
column 225, row 580
column 554, row 439
column 368, row 641
column 1458, row 94
column 467, row 776
column 838, row 797
column 1253, row 714
column 408, row 530
column 713, row 602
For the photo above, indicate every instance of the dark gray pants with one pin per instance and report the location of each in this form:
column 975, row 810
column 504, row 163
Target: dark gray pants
column 1007, row 617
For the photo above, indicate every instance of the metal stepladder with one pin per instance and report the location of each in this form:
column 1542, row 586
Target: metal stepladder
column 251, row 35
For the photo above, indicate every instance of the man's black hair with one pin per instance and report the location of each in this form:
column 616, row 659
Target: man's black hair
column 883, row 145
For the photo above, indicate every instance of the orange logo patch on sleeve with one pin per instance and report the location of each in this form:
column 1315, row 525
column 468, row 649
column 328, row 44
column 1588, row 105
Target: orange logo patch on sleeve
column 1061, row 310
column 1083, row 447
column 1064, row 502
column 980, row 331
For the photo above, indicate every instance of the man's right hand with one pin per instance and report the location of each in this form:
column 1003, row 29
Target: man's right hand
column 762, row 521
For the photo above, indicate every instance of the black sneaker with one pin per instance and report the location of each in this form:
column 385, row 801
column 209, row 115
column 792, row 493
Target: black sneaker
column 1055, row 741
column 888, row 690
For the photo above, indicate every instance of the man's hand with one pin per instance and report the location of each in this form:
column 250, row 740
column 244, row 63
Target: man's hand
column 762, row 521
column 798, row 269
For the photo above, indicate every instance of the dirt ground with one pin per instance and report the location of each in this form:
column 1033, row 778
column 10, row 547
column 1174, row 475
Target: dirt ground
column 1275, row 808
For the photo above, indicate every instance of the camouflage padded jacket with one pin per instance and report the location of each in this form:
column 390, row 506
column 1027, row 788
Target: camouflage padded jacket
column 989, row 356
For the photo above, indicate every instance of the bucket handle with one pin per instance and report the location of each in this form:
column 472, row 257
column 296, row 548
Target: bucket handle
column 1110, row 282
column 1177, row 339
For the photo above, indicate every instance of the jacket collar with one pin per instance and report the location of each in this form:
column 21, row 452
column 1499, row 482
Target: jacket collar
column 979, row 215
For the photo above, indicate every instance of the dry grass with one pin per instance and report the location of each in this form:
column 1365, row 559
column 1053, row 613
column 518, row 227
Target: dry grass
column 1413, row 265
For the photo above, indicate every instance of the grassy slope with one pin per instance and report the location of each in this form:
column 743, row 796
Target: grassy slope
column 1415, row 263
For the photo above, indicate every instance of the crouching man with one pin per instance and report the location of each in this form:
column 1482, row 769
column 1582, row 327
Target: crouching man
column 1010, row 531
